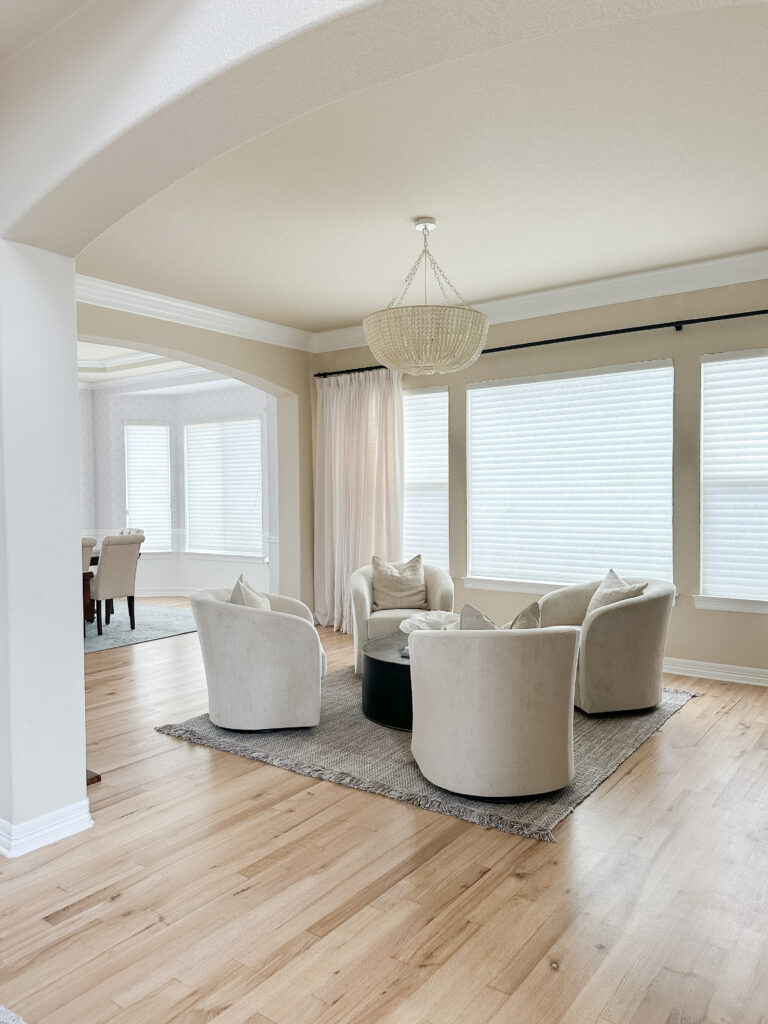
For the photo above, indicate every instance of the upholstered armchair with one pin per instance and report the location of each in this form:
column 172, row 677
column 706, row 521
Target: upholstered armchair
column 116, row 574
column 263, row 668
column 493, row 709
column 621, row 661
column 368, row 624
column 89, row 543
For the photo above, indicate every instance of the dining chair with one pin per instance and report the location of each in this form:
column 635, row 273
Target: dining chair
column 89, row 543
column 116, row 574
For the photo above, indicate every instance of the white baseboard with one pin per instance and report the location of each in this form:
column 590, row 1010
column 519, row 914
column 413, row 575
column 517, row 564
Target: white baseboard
column 48, row 828
column 711, row 670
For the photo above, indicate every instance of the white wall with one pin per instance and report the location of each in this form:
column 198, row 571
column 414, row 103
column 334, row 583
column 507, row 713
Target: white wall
column 42, row 692
column 104, row 415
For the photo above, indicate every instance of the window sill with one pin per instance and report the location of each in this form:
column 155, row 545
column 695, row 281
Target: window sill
column 510, row 586
column 729, row 604
column 223, row 556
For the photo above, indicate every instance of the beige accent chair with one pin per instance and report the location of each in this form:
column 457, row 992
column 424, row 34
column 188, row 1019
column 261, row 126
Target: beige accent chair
column 493, row 709
column 263, row 668
column 368, row 624
column 89, row 543
column 621, row 661
column 116, row 574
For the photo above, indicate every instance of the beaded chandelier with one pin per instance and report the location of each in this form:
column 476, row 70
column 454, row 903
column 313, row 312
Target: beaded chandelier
column 426, row 339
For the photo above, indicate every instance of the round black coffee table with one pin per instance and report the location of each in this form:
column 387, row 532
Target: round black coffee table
column 387, row 682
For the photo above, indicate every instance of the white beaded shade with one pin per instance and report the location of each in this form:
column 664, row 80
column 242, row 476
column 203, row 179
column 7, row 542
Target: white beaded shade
column 426, row 339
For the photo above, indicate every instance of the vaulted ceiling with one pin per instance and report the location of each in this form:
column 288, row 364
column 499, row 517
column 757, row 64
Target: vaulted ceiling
column 549, row 162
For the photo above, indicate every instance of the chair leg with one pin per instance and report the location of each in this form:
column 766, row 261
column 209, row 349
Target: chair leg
column 111, row 603
column 98, row 618
column 131, row 612
column 107, row 610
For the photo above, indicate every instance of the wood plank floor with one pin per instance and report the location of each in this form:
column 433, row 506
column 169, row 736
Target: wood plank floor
column 216, row 889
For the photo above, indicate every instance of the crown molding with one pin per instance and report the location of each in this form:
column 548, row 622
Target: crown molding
column 608, row 291
column 115, row 362
column 334, row 341
column 152, row 381
column 92, row 291
column 647, row 284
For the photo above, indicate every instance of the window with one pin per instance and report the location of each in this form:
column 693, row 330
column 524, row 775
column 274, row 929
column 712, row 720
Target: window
column 571, row 476
column 148, row 483
column 425, row 515
column 734, row 477
column 224, row 487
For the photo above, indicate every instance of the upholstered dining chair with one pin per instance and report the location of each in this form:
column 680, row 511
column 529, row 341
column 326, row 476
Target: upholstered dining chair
column 263, row 667
column 368, row 624
column 493, row 709
column 621, row 660
column 116, row 574
column 89, row 543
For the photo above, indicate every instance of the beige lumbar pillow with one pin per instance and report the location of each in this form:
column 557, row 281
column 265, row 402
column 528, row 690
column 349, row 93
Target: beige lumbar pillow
column 245, row 594
column 612, row 589
column 398, row 584
column 473, row 618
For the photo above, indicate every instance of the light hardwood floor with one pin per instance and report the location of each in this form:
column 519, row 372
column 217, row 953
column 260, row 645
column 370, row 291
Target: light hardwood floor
column 216, row 888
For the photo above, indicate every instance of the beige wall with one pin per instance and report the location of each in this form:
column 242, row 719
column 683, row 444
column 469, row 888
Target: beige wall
column 283, row 372
column 728, row 638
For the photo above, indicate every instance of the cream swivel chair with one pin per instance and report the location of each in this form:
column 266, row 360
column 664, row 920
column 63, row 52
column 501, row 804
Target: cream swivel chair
column 116, row 574
column 493, row 709
column 89, row 543
column 621, row 661
column 263, row 668
column 367, row 624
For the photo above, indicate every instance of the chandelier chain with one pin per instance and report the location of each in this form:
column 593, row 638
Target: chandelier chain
column 426, row 257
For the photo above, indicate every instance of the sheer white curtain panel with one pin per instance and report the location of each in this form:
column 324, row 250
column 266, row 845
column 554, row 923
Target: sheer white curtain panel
column 358, row 483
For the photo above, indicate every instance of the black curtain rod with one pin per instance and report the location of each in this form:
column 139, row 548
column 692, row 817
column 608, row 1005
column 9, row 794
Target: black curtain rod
column 677, row 324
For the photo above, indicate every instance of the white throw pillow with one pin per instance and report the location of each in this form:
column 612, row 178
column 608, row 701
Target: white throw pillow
column 612, row 589
column 398, row 584
column 473, row 618
column 245, row 594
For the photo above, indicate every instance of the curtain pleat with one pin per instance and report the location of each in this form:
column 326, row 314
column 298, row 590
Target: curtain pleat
column 358, row 484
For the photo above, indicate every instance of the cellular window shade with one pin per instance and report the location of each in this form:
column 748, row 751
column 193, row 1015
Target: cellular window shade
column 224, row 487
column 572, row 476
column 734, row 477
column 425, row 515
column 148, row 483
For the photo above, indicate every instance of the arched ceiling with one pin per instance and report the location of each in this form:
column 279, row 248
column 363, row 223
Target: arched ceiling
column 122, row 99
column 548, row 161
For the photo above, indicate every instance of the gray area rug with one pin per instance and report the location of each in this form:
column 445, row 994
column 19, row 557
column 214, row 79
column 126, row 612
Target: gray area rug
column 153, row 622
column 7, row 1017
column 346, row 748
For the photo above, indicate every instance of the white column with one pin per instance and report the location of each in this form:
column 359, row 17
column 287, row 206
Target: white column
column 42, row 695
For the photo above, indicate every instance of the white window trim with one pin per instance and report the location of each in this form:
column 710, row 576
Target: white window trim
column 706, row 602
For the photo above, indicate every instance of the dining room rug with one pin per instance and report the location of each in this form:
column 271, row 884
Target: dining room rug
column 349, row 749
column 9, row 1017
column 153, row 622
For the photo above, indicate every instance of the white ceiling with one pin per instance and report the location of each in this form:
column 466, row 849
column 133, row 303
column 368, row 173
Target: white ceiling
column 579, row 156
column 99, row 363
column 22, row 21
